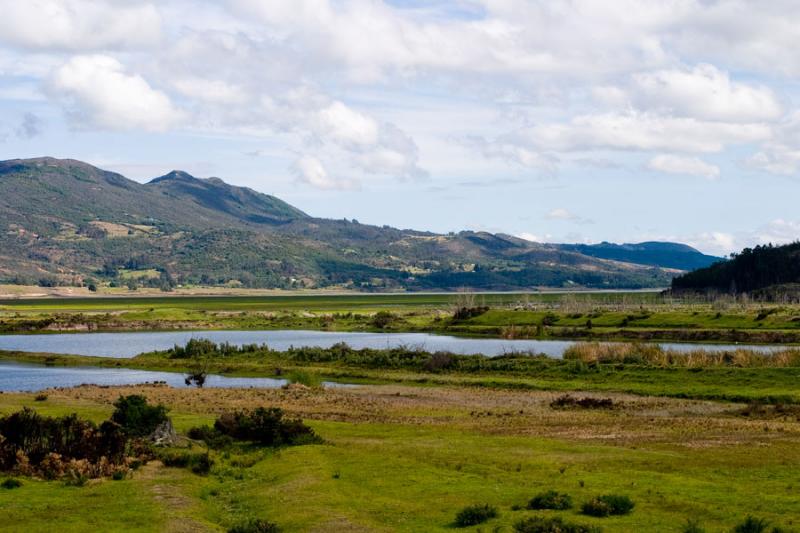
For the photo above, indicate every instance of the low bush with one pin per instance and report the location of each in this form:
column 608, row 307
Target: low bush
column 11, row 483
column 607, row 505
column 693, row 526
column 40, row 398
column 136, row 417
column 49, row 447
column 255, row 525
column 570, row 402
column 550, row 500
column 752, row 524
column 439, row 361
column 465, row 313
column 199, row 463
column 539, row 524
column 475, row 514
column 266, row 426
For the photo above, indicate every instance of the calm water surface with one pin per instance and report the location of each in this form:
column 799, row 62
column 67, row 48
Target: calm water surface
column 16, row 377
column 124, row 345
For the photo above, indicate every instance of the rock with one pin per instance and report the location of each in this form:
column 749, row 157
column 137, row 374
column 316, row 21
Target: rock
column 164, row 434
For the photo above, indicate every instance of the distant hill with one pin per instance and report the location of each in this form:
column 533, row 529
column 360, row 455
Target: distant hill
column 763, row 269
column 664, row 254
column 66, row 222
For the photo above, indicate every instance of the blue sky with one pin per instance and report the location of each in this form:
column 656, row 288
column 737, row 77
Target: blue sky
column 575, row 121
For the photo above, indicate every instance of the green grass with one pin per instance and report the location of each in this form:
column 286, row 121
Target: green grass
column 406, row 477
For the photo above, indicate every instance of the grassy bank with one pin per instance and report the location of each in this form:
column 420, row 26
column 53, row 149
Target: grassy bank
column 590, row 316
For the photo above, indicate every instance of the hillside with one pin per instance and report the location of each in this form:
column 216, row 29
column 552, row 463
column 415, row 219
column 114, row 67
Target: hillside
column 664, row 254
column 764, row 270
column 67, row 222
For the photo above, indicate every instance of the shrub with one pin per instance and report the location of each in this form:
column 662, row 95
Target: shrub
column 539, row 524
column 551, row 500
column 383, row 319
column 752, row 524
column 475, row 514
column 212, row 437
column 199, row 463
column 11, row 483
column 693, row 526
column 439, row 361
column 136, row 417
column 38, row 445
column 40, row 398
column 549, row 319
column 465, row 313
column 266, row 426
column 607, row 505
column 255, row 525
column 566, row 402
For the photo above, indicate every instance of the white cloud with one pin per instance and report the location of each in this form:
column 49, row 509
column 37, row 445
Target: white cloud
column 560, row 214
column 705, row 92
column 98, row 92
column 310, row 170
column 640, row 131
column 78, row 24
column 692, row 166
column 535, row 238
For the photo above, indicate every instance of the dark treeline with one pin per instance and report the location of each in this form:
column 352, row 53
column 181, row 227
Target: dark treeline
column 751, row 270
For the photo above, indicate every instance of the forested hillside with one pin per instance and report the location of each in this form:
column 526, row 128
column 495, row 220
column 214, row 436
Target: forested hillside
column 753, row 269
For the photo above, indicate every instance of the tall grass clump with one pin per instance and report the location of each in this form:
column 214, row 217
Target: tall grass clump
column 475, row 514
column 550, row 500
column 655, row 355
column 608, row 505
column 540, row 524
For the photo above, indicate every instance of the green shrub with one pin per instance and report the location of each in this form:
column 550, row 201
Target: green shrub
column 266, row 426
column 693, row 526
column 136, row 416
column 212, row 437
column 11, row 483
column 255, row 525
column 752, row 524
column 551, row 500
column 607, row 505
column 539, row 524
column 199, row 463
column 475, row 514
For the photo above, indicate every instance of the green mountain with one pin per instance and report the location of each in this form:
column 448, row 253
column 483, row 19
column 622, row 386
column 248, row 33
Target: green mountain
column 665, row 254
column 66, row 222
column 772, row 272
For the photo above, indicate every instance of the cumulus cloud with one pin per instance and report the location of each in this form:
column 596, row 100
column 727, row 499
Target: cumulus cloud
column 79, row 24
column 99, row 92
column 692, row 166
column 30, row 127
column 705, row 92
column 310, row 170
column 560, row 213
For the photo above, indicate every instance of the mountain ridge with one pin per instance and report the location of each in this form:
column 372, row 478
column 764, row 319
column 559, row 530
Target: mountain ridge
column 66, row 221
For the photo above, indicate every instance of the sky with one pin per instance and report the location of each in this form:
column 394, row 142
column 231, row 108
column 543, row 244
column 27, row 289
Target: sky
column 556, row 121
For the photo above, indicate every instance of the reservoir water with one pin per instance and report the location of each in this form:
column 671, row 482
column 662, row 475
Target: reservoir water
column 124, row 345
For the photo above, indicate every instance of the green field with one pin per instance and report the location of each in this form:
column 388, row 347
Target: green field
column 401, row 458
column 600, row 315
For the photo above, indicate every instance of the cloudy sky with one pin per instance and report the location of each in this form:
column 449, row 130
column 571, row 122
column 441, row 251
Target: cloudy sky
column 561, row 121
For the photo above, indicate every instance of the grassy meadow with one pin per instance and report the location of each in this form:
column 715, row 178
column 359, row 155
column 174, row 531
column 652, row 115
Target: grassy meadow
column 408, row 458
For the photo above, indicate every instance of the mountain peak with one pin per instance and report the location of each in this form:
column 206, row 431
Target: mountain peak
column 174, row 175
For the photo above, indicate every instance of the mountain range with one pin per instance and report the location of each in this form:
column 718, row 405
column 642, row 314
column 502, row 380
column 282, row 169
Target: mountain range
column 68, row 222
